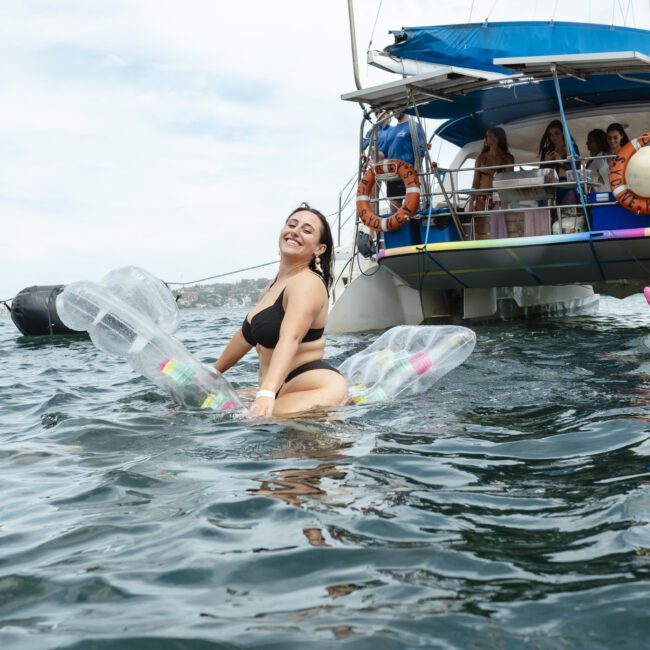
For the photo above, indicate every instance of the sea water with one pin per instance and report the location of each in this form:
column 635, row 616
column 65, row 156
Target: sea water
column 509, row 507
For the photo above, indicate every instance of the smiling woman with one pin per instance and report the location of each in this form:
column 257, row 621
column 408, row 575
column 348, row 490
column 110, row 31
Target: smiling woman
column 287, row 324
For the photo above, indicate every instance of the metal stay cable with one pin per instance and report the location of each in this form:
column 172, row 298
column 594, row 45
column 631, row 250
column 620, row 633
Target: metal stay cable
column 568, row 140
column 554, row 10
column 372, row 34
column 433, row 166
column 425, row 250
column 221, row 275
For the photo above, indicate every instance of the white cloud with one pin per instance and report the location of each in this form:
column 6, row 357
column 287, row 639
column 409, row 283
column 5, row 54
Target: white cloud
column 176, row 135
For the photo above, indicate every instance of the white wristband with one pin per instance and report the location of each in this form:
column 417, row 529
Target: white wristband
column 265, row 393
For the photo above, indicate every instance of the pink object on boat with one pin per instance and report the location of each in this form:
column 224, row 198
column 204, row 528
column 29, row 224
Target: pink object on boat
column 646, row 293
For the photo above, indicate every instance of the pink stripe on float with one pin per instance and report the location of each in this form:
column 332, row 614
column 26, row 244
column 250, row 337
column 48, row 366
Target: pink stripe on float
column 421, row 362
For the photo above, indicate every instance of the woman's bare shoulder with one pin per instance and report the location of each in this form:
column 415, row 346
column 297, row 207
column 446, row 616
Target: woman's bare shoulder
column 306, row 291
column 308, row 282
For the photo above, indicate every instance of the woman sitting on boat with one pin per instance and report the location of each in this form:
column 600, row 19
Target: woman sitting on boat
column 496, row 157
column 616, row 137
column 287, row 324
column 552, row 147
column 598, row 165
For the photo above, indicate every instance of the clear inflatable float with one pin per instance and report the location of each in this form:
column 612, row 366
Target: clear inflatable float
column 132, row 314
column 405, row 360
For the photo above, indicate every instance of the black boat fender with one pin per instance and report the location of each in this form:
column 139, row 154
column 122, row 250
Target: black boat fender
column 33, row 311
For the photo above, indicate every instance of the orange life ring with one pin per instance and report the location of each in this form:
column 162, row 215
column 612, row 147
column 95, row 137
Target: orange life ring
column 409, row 204
column 618, row 183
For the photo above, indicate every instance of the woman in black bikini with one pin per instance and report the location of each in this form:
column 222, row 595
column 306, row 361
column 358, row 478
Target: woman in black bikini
column 286, row 326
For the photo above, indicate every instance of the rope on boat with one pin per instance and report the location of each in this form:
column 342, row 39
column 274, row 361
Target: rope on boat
column 471, row 11
column 372, row 34
column 221, row 275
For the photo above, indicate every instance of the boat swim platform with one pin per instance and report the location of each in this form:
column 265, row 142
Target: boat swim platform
column 572, row 258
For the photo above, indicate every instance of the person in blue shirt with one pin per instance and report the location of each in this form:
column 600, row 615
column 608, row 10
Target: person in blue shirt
column 399, row 144
column 378, row 137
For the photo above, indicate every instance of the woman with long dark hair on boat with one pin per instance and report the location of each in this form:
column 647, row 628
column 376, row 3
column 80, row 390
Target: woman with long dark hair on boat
column 616, row 137
column 287, row 324
column 495, row 155
column 552, row 147
column 598, row 165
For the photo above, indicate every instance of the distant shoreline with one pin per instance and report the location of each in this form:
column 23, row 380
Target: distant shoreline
column 227, row 294
column 204, row 296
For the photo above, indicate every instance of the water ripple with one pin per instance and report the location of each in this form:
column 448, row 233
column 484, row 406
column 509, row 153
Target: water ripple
column 507, row 508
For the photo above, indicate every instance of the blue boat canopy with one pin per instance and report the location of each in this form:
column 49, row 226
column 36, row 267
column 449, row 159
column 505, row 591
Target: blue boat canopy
column 477, row 45
column 469, row 116
column 493, row 74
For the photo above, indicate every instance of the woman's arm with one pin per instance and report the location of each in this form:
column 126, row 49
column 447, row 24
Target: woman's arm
column 305, row 296
column 476, row 181
column 238, row 345
column 602, row 168
column 233, row 352
column 549, row 155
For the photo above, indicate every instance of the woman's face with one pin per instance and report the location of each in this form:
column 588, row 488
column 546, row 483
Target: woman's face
column 300, row 236
column 491, row 139
column 556, row 137
column 614, row 141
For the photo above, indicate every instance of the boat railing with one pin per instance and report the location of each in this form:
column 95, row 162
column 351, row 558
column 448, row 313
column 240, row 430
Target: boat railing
column 523, row 192
column 346, row 207
column 534, row 210
column 346, row 213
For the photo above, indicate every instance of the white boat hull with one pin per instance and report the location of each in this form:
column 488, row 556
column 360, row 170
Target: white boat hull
column 380, row 300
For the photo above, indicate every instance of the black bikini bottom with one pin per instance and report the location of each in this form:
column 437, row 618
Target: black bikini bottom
column 310, row 365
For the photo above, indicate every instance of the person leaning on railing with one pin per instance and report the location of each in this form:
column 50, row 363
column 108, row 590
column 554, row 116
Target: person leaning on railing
column 495, row 152
column 404, row 141
column 598, row 166
column 552, row 147
column 375, row 140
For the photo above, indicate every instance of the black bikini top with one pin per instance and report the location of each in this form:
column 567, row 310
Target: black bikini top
column 264, row 327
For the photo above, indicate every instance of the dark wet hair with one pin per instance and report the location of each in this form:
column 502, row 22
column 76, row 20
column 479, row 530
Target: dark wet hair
column 327, row 258
column 600, row 139
column 615, row 126
column 502, row 139
column 545, row 143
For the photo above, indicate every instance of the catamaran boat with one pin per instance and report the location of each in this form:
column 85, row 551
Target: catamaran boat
column 430, row 264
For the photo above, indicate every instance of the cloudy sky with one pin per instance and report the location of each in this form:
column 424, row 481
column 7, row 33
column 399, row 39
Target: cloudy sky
column 177, row 135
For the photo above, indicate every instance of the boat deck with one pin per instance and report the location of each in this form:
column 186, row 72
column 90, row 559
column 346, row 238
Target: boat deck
column 582, row 257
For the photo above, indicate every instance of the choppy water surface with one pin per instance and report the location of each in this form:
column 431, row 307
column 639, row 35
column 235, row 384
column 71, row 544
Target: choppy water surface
column 507, row 508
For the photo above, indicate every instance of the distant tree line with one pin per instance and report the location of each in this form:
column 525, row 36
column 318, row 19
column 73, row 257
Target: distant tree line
column 243, row 293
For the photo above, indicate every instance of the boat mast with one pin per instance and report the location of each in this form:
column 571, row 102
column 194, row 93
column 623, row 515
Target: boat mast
column 353, row 40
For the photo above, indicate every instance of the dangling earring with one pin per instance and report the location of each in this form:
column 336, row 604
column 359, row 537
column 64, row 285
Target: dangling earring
column 317, row 265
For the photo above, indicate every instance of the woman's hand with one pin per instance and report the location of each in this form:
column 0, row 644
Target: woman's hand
column 262, row 407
